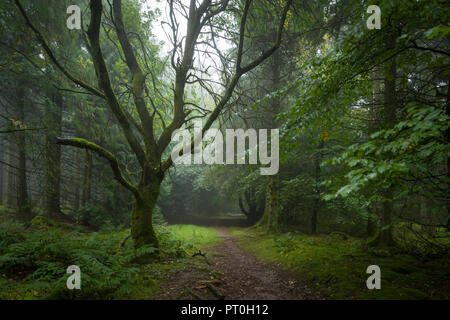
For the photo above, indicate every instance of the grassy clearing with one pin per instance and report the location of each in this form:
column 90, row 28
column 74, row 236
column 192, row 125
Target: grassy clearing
column 337, row 268
column 196, row 235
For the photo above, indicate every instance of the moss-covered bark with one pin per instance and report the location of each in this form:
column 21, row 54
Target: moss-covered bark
column 269, row 220
column 142, row 230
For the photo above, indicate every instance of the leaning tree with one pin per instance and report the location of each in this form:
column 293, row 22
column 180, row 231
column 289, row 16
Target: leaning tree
column 207, row 21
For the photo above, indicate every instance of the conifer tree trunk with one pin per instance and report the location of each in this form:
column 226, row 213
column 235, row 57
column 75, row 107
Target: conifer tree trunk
column 316, row 205
column 270, row 217
column 53, row 158
column 372, row 128
column 87, row 176
column 384, row 237
column 447, row 135
column 11, row 176
column 77, row 179
column 23, row 201
column 2, row 159
column 87, row 184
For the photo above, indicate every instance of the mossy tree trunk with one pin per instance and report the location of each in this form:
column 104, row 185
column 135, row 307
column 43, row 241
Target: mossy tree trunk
column 269, row 220
column 142, row 230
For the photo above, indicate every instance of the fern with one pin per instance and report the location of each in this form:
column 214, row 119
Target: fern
column 36, row 262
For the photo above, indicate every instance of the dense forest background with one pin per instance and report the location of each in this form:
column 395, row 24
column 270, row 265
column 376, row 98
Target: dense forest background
column 86, row 118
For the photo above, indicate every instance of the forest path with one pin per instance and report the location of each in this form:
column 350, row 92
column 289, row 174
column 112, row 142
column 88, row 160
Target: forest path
column 228, row 271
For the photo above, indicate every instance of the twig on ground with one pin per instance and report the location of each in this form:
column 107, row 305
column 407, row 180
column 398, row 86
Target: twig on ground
column 200, row 253
column 216, row 292
column 124, row 241
column 196, row 296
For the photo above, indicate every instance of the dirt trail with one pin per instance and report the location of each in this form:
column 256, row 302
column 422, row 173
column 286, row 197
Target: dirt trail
column 236, row 274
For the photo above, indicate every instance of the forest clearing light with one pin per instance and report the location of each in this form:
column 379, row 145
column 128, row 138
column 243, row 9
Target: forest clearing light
column 213, row 151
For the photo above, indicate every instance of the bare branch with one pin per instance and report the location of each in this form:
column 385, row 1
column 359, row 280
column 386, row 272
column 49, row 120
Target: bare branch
column 105, row 83
column 239, row 72
column 138, row 81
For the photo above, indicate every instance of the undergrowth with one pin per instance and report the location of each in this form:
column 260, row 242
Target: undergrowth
column 336, row 267
column 33, row 262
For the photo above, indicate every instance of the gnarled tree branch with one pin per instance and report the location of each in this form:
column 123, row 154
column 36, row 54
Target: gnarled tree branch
column 105, row 83
column 113, row 162
column 138, row 81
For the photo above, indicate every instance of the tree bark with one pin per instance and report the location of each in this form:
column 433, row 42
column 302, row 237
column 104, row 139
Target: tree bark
column 371, row 223
column 374, row 123
column 87, row 186
column 87, row 176
column 316, row 206
column 272, row 209
column 53, row 158
column 384, row 237
column 23, row 201
column 255, row 206
column 78, row 178
column 142, row 230
column 447, row 135
column 269, row 220
column 11, row 177
column 2, row 159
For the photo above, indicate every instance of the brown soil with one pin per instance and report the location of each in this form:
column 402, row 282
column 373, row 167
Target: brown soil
column 236, row 274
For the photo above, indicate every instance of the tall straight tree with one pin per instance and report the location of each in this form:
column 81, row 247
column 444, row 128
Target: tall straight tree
column 149, row 148
column 53, row 155
column 23, row 201
column 389, row 117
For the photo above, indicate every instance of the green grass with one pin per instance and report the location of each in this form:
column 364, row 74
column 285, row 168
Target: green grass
column 337, row 268
column 198, row 236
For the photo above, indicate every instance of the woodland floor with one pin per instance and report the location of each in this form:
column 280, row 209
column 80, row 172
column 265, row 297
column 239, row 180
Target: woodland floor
column 228, row 272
